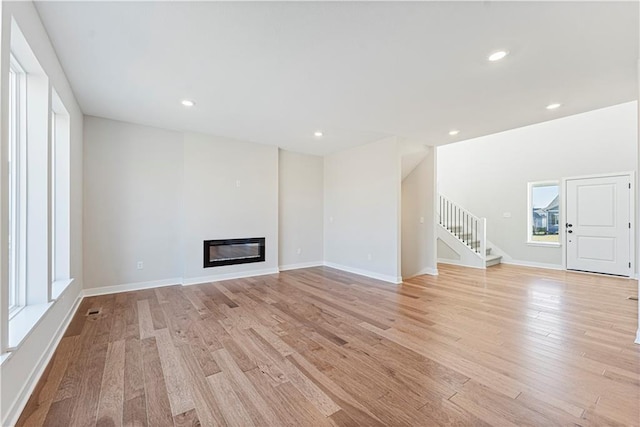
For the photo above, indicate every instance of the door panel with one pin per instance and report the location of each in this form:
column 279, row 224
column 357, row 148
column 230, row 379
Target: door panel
column 598, row 237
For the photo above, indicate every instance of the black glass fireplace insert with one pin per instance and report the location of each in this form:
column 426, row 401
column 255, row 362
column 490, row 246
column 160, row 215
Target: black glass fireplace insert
column 233, row 251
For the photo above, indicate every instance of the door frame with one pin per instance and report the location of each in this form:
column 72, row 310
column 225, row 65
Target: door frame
column 632, row 216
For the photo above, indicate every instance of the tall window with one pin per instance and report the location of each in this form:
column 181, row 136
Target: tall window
column 60, row 192
column 544, row 213
column 17, row 186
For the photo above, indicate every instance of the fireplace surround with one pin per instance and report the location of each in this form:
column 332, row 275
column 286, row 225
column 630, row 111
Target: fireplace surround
column 233, row 251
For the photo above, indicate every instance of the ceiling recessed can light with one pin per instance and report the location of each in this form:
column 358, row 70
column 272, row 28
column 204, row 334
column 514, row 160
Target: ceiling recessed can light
column 318, row 134
column 454, row 132
column 188, row 103
column 498, row 55
column 553, row 106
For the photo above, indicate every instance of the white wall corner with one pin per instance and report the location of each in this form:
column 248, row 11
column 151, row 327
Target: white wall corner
column 15, row 409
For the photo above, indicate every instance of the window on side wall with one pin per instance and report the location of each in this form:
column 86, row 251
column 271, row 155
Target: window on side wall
column 543, row 223
column 17, row 187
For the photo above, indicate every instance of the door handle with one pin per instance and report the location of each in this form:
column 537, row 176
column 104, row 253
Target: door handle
column 569, row 225
column 569, row 231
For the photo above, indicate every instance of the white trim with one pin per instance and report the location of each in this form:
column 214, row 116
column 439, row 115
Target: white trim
column 459, row 263
column 530, row 187
column 545, row 265
column 105, row 290
column 637, row 341
column 228, row 276
column 16, row 408
column 23, row 323
column 301, row 265
column 546, row 244
column 385, row 278
column 428, row 271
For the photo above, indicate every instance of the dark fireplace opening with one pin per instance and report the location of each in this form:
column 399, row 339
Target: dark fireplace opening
column 233, row 251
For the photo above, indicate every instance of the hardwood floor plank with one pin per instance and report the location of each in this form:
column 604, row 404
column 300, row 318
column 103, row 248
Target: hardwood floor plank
column 312, row 347
column 110, row 408
column 157, row 400
column 178, row 389
column 145, row 320
column 35, row 412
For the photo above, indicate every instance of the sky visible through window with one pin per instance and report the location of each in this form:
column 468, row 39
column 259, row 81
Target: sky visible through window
column 542, row 196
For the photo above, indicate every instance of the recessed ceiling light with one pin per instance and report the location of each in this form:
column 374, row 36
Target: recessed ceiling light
column 553, row 106
column 188, row 103
column 318, row 134
column 497, row 56
column 454, row 132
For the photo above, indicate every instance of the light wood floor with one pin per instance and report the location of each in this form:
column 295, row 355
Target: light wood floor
column 313, row 347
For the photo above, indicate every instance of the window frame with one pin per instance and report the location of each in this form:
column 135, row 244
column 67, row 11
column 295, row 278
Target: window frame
column 17, row 203
column 530, row 187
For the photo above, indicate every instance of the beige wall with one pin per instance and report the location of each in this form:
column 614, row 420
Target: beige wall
column 301, row 183
column 418, row 220
column 362, row 209
column 133, row 184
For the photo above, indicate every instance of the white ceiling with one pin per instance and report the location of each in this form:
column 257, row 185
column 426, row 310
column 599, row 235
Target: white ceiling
column 274, row 73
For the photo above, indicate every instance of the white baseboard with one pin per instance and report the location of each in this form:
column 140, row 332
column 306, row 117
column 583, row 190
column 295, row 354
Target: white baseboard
column 228, row 276
column 428, row 271
column 105, row 290
column 391, row 279
column 532, row 264
column 16, row 408
column 458, row 263
column 637, row 341
column 301, row 265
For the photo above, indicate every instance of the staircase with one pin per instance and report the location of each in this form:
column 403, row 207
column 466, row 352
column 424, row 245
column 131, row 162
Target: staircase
column 466, row 232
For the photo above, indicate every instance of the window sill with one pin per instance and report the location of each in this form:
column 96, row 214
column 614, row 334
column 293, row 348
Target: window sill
column 58, row 287
column 545, row 244
column 23, row 323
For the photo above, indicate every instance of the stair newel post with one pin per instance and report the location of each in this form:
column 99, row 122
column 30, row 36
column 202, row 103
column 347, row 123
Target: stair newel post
column 483, row 237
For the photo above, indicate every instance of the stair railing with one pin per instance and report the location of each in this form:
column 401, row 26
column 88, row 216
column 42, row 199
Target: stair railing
column 468, row 228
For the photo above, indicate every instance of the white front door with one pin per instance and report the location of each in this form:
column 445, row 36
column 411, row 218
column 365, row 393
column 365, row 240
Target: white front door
column 598, row 233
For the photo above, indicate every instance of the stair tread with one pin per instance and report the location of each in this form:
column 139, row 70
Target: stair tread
column 492, row 257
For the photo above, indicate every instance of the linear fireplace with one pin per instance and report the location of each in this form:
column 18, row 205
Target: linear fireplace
column 233, row 251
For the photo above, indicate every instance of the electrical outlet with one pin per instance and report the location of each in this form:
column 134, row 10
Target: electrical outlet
column 140, row 265
column 299, row 251
column 238, row 183
column 369, row 257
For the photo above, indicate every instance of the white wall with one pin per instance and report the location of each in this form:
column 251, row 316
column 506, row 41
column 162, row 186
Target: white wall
column 301, row 182
column 418, row 219
column 230, row 190
column 133, row 186
column 153, row 196
column 488, row 175
column 362, row 210
column 21, row 370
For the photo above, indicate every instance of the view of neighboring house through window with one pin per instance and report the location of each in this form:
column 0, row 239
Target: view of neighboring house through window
column 544, row 213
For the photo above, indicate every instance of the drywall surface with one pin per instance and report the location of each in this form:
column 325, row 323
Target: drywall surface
column 301, row 183
column 133, row 185
column 362, row 209
column 230, row 190
column 418, row 218
column 488, row 176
